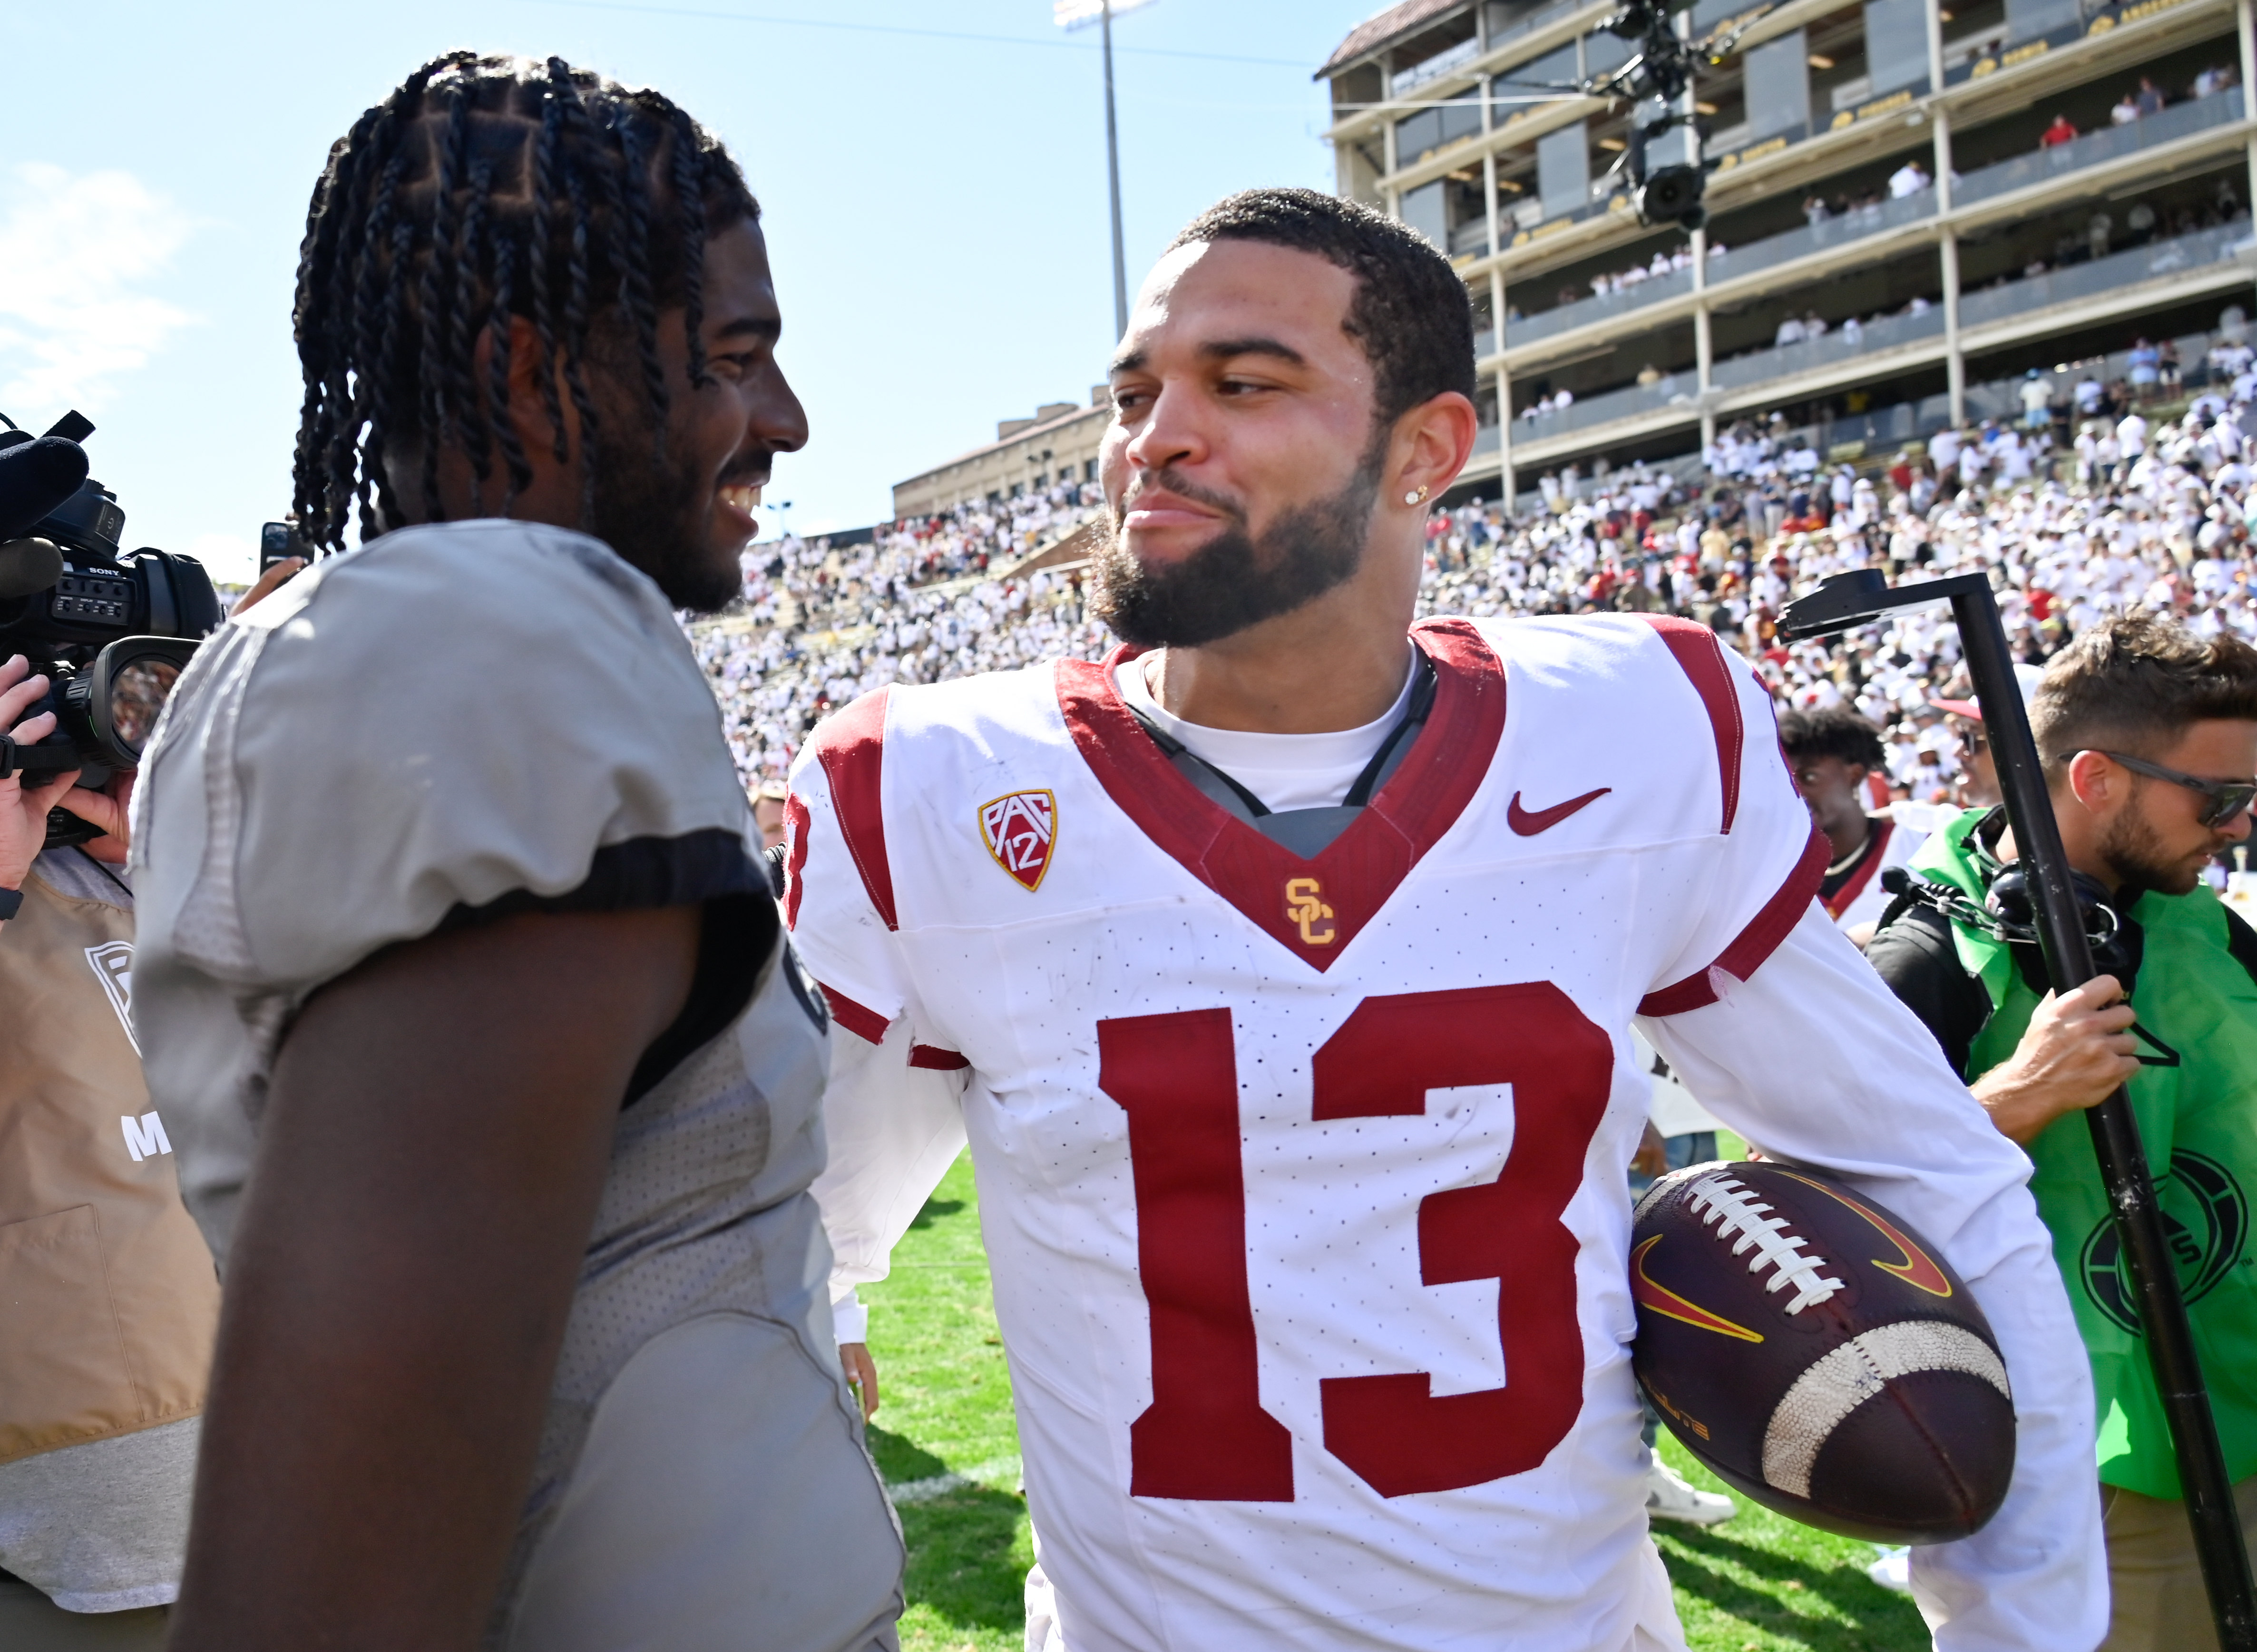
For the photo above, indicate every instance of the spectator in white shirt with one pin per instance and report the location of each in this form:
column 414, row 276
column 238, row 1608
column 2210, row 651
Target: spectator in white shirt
column 2037, row 401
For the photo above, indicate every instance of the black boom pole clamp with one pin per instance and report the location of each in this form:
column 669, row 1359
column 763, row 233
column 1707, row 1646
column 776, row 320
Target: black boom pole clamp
column 1851, row 599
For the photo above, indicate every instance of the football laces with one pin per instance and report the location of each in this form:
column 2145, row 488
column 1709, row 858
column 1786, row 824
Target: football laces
column 1734, row 1211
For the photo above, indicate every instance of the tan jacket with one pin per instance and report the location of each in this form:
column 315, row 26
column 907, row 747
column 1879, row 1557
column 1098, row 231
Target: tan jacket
column 108, row 1301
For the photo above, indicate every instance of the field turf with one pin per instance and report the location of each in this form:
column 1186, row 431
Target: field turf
column 943, row 1438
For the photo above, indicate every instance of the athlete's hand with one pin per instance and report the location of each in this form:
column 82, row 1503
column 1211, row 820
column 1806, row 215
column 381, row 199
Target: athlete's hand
column 2075, row 1052
column 862, row 1375
column 23, row 809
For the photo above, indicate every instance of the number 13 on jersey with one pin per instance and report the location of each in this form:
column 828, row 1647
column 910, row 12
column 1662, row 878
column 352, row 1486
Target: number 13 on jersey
column 1206, row 1435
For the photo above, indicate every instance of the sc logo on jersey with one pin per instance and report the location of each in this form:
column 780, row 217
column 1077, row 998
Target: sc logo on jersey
column 1304, row 906
column 1020, row 830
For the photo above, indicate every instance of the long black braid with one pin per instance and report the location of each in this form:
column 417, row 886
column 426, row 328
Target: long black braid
column 489, row 186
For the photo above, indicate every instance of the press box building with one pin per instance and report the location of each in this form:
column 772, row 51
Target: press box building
column 2039, row 223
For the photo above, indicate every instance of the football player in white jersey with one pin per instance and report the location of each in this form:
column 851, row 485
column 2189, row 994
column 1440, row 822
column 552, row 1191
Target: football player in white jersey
column 1281, row 970
column 1831, row 752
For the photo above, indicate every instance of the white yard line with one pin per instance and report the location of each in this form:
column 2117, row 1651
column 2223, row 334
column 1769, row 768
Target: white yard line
column 979, row 1474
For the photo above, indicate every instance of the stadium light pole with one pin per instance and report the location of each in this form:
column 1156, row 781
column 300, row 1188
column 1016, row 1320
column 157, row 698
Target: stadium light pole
column 1850, row 600
column 1078, row 14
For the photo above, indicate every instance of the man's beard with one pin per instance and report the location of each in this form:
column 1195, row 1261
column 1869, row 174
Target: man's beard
column 2135, row 855
column 1235, row 579
column 650, row 508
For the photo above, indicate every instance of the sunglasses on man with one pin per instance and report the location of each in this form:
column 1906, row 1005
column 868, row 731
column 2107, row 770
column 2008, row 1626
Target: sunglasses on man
column 2227, row 797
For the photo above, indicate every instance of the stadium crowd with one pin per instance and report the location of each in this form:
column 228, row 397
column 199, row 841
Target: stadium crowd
column 2123, row 510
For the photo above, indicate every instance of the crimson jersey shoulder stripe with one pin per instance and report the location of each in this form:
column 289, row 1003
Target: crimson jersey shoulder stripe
column 795, row 831
column 1701, row 657
column 1755, row 943
column 858, row 1019
column 851, row 745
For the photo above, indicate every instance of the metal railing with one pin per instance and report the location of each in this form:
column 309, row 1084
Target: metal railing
column 2002, row 398
column 1838, row 345
column 2109, row 143
column 1669, row 391
column 2101, row 275
column 1886, row 427
column 1434, row 67
column 1538, row 18
column 1584, row 311
column 1853, row 225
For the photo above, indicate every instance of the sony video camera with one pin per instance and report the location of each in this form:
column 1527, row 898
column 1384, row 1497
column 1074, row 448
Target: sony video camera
column 111, row 631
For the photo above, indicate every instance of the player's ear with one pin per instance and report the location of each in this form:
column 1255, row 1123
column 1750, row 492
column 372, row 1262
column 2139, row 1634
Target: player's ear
column 2096, row 782
column 1432, row 442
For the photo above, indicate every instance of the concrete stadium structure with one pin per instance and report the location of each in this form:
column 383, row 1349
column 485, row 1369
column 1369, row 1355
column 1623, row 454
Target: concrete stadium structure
column 1058, row 444
column 2037, row 227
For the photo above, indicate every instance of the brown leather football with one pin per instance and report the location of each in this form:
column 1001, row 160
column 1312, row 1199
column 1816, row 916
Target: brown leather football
column 1818, row 1354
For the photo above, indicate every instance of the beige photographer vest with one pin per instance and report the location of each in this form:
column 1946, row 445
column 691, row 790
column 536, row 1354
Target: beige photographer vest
column 109, row 1302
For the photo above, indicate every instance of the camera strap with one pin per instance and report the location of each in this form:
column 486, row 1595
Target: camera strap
column 17, row 758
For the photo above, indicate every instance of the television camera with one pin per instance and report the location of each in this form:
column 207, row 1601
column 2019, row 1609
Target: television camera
column 112, row 631
column 1656, row 80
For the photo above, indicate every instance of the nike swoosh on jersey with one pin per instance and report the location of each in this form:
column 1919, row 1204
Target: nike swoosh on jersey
column 1528, row 823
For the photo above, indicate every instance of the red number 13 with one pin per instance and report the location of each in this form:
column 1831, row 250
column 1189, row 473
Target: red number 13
column 1206, row 1435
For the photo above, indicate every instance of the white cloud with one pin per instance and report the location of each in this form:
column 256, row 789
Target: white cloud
column 75, row 250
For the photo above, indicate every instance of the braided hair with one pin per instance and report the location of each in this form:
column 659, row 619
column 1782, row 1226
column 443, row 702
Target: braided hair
column 488, row 187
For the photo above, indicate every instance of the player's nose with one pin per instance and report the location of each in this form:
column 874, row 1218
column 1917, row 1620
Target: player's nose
column 1170, row 434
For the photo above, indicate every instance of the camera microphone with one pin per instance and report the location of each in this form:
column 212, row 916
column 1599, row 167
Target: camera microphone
column 35, row 476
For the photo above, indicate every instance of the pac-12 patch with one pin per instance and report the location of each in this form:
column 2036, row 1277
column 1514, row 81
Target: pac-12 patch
column 1020, row 830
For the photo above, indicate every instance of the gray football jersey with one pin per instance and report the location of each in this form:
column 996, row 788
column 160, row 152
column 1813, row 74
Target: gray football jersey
column 481, row 717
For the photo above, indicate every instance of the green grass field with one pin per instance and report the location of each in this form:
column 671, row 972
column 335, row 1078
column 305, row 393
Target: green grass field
column 944, row 1439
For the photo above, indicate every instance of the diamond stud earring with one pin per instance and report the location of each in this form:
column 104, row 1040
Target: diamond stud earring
column 1416, row 497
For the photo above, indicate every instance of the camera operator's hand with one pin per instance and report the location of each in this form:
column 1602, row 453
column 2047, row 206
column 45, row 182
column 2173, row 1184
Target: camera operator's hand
column 23, row 809
column 2077, row 1049
column 107, row 811
column 269, row 581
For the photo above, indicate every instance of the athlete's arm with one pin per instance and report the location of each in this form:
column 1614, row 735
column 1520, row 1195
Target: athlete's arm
column 434, row 1144
column 893, row 1116
column 1812, row 1058
column 892, row 1130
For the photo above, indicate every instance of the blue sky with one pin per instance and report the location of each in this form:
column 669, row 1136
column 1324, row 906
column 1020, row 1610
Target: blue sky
column 936, row 207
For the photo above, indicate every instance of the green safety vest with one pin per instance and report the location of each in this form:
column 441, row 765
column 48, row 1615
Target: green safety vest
column 2198, row 1127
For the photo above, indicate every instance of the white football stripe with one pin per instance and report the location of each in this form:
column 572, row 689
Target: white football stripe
column 1833, row 1386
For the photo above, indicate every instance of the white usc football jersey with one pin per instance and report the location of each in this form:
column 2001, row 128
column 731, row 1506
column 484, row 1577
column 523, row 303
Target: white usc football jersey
column 1857, row 896
column 1303, row 1181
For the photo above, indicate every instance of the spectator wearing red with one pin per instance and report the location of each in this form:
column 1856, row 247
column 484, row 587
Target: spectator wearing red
column 2060, row 133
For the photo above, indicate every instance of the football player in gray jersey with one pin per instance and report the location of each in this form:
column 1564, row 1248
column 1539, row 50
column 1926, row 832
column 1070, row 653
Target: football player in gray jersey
column 497, row 1090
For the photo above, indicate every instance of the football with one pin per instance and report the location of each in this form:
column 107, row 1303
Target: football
column 1818, row 1354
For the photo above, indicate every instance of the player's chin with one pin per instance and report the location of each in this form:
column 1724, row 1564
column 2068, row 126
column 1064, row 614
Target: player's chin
column 730, row 526
column 1169, row 545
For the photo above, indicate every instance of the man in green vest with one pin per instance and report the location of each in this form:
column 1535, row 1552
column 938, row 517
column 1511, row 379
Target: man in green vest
column 2148, row 734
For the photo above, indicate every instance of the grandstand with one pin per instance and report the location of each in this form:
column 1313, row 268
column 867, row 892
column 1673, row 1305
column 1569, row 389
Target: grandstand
column 2156, row 512
column 1978, row 304
column 1913, row 204
column 979, row 587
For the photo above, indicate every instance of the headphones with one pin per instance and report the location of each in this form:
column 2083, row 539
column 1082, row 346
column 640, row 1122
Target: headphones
column 2008, row 912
